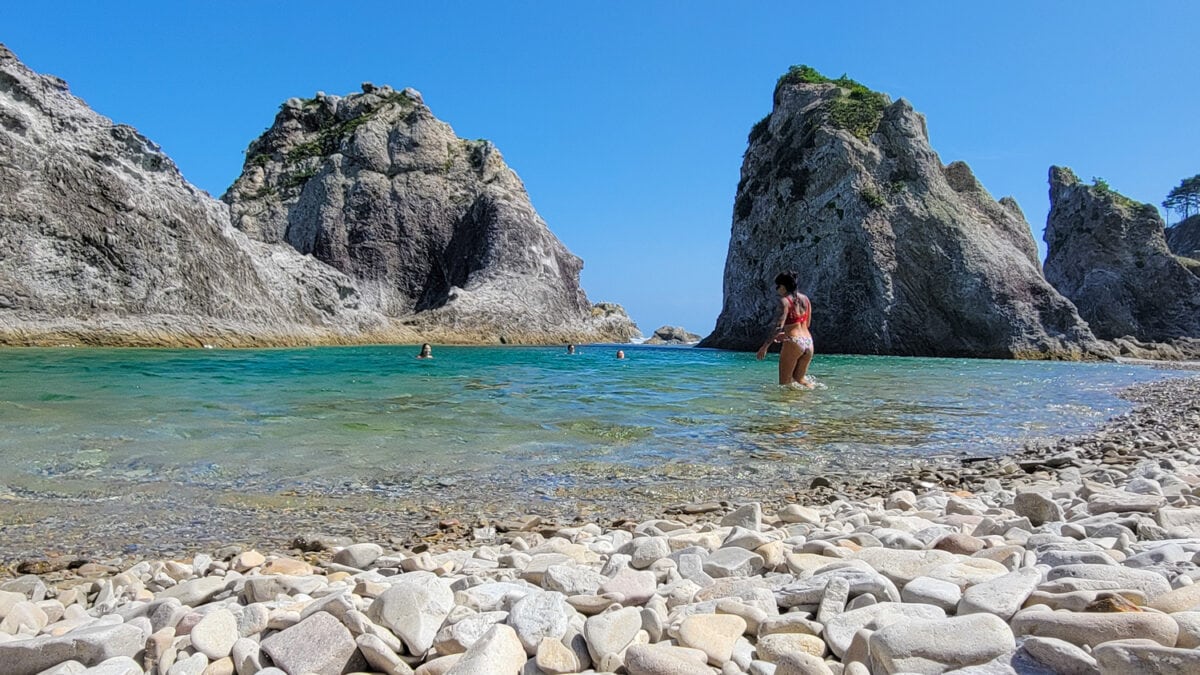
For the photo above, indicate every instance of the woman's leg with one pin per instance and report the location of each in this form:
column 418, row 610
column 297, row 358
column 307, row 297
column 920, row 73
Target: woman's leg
column 801, row 368
column 789, row 352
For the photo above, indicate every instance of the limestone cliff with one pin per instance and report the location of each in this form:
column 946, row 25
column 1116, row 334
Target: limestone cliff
column 899, row 254
column 435, row 229
column 1109, row 255
column 105, row 243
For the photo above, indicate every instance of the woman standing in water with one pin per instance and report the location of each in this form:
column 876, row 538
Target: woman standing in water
column 792, row 330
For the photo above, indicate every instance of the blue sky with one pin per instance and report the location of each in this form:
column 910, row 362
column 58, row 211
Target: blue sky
column 627, row 120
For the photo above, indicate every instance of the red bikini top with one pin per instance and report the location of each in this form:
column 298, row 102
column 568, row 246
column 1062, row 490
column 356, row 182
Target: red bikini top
column 794, row 313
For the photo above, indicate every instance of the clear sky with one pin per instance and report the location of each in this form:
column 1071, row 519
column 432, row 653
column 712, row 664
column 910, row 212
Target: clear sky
column 627, row 120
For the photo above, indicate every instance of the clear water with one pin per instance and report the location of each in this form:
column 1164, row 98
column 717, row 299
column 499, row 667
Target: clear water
column 335, row 420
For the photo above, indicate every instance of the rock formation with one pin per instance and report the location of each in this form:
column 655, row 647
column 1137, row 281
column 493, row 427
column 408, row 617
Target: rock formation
column 1183, row 238
column 672, row 335
column 434, row 228
column 105, row 242
column 899, row 254
column 1109, row 255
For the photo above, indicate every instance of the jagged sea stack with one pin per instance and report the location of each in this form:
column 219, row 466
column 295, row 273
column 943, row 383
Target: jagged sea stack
column 900, row 254
column 1109, row 255
column 436, row 229
column 104, row 242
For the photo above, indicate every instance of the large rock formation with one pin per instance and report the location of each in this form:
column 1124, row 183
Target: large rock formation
column 433, row 227
column 105, row 242
column 1109, row 255
column 899, row 254
column 1183, row 238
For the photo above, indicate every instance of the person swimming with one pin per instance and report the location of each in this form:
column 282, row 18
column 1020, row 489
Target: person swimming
column 426, row 352
column 620, row 354
column 570, row 349
column 796, row 351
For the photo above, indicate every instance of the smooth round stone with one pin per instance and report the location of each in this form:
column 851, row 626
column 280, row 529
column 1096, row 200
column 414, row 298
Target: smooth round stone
column 961, row 544
column 940, row 645
column 1189, row 629
column 610, row 632
column 901, row 565
column 215, row 634
column 1179, row 600
column 733, row 562
column 644, row 551
column 801, row 663
column 538, row 616
column 1146, row 656
column 795, row 513
column 1001, row 596
column 498, row 651
column 1093, row 628
column 662, row 659
column 968, row 572
column 1039, row 508
column 930, row 591
column 773, row 647
column 555, row 658
column 287, row 566
column 572, row 580
column 359, row 556
column 413, row 608
column 841, row 629
column 1103, row 577
column 634, row 587
column 247, row 560
column 1060, row 656
column 713, row 634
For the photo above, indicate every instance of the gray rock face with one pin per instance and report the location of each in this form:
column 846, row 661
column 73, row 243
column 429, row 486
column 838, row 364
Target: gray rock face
column 1183, row 238
column 899, row 254
column 432, row 226
column 672, row 335
column 1109, row 255
column 104, row 241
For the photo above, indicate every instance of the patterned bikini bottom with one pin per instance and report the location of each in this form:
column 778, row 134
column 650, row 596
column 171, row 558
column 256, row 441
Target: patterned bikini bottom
column 805, row 343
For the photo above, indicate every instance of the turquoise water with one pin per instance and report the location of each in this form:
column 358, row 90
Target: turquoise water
column 376, row 419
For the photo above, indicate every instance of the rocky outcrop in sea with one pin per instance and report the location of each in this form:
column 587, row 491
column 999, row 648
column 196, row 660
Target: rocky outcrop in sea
column 672, row 335
column 1183, row 238
column 105, row 242
column 435, row 229
column 1109, row 255
column 899, row 253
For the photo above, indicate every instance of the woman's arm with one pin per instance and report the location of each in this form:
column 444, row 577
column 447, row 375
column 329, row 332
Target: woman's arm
column 774, row 334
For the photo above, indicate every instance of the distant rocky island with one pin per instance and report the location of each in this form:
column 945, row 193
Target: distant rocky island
column 357, row 219
column 672, row 335
column 904, row 255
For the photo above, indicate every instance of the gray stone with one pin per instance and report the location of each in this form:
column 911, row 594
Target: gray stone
column 748, row 516
column 1145, row 656
column 381, row 657
column 118, row 665
column 194, row 592
column 940, row 645
column 540, row 615
column 192, row 665
column 359, row 556
column 247, row 656
column 319, row 644
column 662, row 659
column 572, row 579
column 413, row 608
column 89, row 645
column 841, row 629
column 1093, row 628
column 1060, row 656
column 643, row 551
column 634, row 587
column 1037, row 507
column 902, row 566
column 215, row 634
column 800, row 663
column 930, row 591
column 1150, row 584
column 1002, row 596
column 1119, row 501
column 610, row 632
column 667, row 335
column 498, row 652
column 457, row 637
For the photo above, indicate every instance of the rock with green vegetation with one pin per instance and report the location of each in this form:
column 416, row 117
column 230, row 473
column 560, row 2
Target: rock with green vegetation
column 899, row 253
column 1109, row 255
column 435, row 229
column 105, row 242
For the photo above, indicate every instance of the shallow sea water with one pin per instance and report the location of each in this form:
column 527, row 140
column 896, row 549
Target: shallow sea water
column 344, row 420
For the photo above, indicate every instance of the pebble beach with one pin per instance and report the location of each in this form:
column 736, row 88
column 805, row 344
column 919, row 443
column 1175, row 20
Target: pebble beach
column 1073, row 556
